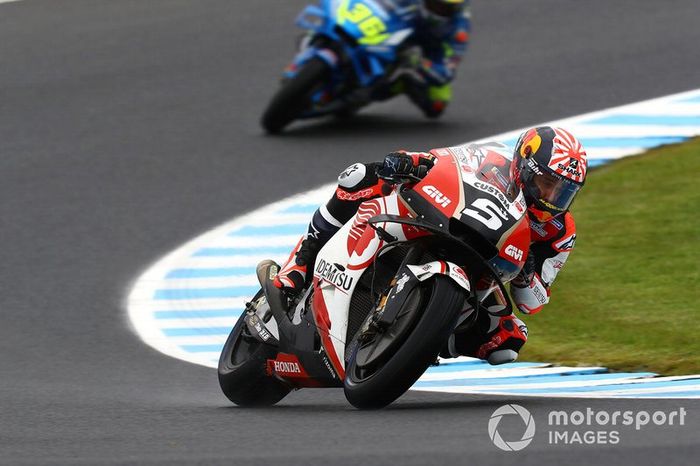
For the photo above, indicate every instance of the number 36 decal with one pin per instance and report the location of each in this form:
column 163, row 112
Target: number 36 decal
column 487, row 212
column 371, row 25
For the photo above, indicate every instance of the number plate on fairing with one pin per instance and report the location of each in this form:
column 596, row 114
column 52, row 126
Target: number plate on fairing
column 488, row 210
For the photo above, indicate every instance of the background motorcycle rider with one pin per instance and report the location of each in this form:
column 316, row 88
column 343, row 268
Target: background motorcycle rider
column 426, row 68
column 548, row 164
column 442, row 32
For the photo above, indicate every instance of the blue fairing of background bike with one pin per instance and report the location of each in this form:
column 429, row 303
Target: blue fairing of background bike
column 368, row 32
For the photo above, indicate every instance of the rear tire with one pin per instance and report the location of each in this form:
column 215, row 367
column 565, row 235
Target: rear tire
column 378, row 387
column 294, row 96
column 242, row 372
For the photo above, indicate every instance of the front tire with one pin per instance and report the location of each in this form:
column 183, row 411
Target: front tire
column 295, row 95
column 389, row 376
column 242, row 372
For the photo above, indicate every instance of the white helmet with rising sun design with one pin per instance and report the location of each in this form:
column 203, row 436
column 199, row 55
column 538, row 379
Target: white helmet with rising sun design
column 550, row 166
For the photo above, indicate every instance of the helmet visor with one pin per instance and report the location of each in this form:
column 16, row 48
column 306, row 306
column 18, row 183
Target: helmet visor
column 553, row 192
column 444, row 8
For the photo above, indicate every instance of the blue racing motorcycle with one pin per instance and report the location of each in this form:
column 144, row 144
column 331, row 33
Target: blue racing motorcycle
column 352, row 48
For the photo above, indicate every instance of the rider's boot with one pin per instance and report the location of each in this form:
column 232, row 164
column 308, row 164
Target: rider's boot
column 496, row 339
column 504, row 341
column 292, row 275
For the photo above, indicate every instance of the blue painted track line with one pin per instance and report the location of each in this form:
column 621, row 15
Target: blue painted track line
column 271, row 230
column 476, row 366
column 197, row 314
column 657, row 120
column 690, row 100
column 621, row 142
column 202, row 348
column 597, row 162
column 209, row 252
column 198, row 293
column 212, row 272
column 300, row 209
column 607, row 388
column 196, row 331
column 675, row 394
column 607, row 142
column 524, row 380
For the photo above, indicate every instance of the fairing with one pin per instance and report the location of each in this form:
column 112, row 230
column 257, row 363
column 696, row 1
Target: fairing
column 452, row 201
column 474, row 202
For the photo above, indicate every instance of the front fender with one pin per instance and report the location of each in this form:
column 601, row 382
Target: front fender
column 455, row 272
column 409, row 276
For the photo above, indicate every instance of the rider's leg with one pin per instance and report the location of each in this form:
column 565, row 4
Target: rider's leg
column 356, row 184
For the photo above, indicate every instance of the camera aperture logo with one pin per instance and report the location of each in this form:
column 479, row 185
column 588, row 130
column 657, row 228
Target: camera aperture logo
column 507, row 410
column 580, row 427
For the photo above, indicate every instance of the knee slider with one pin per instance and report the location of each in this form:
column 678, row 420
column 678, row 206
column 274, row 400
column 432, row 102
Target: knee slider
column 502, row 357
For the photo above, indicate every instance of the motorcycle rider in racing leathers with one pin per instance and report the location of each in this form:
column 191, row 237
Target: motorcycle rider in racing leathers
column 426, row 68
column 442, row 31
column 548, row 164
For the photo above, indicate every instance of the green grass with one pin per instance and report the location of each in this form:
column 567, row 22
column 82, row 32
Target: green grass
column 629, row 295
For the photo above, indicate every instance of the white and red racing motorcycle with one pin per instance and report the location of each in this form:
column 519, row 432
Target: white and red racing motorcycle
column 387, row 291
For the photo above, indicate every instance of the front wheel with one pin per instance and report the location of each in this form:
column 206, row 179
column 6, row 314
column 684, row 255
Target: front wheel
column 295, row 95
column 242, row 373
column 386, row 364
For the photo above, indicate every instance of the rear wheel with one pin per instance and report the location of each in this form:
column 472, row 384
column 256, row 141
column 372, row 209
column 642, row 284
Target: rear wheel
column 295, row 95
column 242, row 372
column 385, row 364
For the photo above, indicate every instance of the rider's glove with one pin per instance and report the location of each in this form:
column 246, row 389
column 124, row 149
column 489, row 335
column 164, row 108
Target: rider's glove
column 396, row 165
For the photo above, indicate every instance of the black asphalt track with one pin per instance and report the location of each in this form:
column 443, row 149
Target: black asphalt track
column 129, row 126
